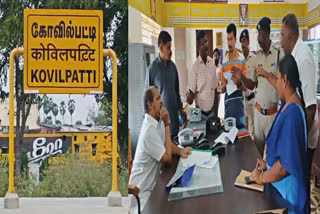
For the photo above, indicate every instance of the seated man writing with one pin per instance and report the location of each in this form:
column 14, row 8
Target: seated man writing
column 286, row 141
column 154, row 147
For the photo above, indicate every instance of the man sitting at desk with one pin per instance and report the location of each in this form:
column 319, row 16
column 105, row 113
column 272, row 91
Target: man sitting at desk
column 154, row 147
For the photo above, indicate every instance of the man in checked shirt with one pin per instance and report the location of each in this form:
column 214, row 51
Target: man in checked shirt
column 204, row 83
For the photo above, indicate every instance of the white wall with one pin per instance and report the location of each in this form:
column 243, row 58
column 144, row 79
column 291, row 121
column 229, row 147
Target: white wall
column 5, row 110
column 142, row 29
column 312, row 4
column 180, row 59
column 134, row 35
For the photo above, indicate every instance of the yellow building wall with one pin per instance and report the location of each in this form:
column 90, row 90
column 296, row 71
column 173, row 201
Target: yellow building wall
column 85, row 140
column 211, row 15
column 103, row 140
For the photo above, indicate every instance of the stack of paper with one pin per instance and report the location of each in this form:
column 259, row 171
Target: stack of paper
column 204, row 181
column 197, row 158
column 227, row 137
column 210, row 164
column 176, row 176
column 183, row 175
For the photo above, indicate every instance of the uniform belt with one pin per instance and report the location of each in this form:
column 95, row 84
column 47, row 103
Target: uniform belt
column 269, row 111
column 250, row 97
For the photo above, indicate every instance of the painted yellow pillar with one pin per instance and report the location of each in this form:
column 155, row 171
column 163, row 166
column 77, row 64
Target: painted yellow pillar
column 14, row 53
column 111, row 53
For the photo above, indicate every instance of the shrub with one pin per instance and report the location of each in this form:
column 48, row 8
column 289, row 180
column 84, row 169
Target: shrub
column 78, row 177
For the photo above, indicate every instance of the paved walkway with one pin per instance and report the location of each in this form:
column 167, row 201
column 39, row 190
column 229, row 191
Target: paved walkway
column 92, row 205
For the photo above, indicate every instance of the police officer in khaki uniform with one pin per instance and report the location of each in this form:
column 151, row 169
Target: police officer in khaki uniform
column 249, row 101
column 266, row 95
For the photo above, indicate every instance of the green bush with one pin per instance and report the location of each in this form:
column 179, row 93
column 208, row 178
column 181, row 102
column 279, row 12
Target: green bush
column 78, row 177
column 4, row 182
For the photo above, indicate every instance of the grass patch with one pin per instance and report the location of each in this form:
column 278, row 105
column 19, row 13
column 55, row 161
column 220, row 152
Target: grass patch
column 78, row 177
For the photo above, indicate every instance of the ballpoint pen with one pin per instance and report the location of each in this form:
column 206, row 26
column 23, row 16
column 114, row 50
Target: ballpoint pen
column 261, row 169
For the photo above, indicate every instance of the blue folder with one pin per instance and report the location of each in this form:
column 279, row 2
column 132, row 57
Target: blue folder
column 181, row 179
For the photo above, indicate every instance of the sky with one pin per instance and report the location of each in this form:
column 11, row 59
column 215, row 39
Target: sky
column 83, row 104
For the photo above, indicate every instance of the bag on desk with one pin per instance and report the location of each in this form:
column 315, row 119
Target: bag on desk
column 181, row 179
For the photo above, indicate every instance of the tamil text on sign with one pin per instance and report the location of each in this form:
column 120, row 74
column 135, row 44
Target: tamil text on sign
column 63, row 51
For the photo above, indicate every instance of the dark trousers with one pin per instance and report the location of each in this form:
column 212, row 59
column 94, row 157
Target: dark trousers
column 174, row 122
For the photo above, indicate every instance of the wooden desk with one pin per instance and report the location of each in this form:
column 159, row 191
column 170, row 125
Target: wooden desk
column 242, row 154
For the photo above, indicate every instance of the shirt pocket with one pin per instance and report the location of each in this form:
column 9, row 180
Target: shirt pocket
column 214, row 81
column 201, row 82
column 273, row 66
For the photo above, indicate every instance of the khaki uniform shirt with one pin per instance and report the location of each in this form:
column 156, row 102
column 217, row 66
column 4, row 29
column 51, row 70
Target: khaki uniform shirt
column 266, row 94
column 251, row 63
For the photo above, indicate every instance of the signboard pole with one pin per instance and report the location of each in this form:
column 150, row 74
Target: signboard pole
column 63, row 51
column 11, row 200
column 114, row 197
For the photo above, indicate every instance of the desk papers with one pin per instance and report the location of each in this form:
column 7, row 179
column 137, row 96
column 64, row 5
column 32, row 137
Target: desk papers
column 197, row 158
column 204, row 181
column 210, row 164
column 231, row 87
column 241, row 182
column 227, row 137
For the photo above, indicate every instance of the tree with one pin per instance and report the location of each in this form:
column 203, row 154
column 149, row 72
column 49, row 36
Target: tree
column 105, row 112
column 47, row 105
column 62, row 109
column 48, row 120
column 58, row 123
column 78, row 122
column 11, row 36
column 118, row 42
column 55, row 111
column 39, row 102
column 71, row 107
column 115, row 29
column 92, row 116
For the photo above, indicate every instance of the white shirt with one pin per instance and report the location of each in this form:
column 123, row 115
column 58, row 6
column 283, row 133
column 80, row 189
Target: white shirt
column 307, row 72
column 146, row 164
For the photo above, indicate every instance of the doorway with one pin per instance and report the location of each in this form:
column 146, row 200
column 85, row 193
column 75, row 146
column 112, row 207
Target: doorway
column 209, row 34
